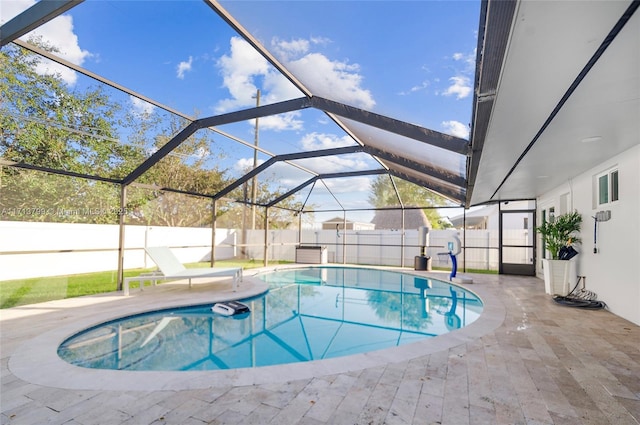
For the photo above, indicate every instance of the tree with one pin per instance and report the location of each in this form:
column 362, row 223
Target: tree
column 284, row 215
column 383, row 195
column 191, row 167
column 46, row 123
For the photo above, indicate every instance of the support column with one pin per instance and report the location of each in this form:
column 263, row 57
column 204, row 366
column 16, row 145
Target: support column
column 266, row 236
column 214, row 213
column 121, row 217
column 464, row 240
column 344, row 238
column 402, row 241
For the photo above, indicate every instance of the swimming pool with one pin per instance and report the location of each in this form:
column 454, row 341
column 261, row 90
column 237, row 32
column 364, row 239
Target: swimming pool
column 308, row 314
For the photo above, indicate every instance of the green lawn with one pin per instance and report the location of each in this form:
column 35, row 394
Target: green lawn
column 36, row 290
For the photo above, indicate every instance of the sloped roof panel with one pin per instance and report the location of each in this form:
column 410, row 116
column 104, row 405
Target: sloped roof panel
column 404, row 147
column 446, row 189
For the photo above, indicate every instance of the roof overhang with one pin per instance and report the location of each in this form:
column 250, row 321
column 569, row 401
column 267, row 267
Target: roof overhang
column 557, row 92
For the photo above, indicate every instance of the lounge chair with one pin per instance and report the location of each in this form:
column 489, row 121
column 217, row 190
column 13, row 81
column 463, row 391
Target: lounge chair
column 169, row 267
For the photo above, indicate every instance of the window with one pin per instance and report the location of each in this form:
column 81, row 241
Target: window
column 607, row 187
column 603, row 189
column 614, row 185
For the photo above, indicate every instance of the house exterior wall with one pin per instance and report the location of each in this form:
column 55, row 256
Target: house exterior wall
column 612, row 272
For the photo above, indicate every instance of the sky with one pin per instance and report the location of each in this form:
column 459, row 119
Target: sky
column 411, row 60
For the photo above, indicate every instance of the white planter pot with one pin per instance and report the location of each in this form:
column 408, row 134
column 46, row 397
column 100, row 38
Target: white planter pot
column 558, row 275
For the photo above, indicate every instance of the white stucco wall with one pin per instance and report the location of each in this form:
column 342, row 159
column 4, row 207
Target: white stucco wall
column 614, row 272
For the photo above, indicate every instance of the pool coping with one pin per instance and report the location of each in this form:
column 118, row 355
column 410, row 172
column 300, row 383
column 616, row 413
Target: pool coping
column 36, row 361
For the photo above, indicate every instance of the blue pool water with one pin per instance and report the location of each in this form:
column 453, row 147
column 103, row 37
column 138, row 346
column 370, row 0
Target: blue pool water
column 307, row 314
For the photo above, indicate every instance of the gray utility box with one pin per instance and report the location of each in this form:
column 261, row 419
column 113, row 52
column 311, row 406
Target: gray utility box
column 310, row 254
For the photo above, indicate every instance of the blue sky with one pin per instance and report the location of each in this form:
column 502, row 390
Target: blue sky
column 411, row 60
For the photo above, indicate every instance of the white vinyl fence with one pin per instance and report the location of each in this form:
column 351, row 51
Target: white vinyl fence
column 30, row 249
column 380, row 247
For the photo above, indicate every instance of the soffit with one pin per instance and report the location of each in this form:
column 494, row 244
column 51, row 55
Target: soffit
column 549, row 45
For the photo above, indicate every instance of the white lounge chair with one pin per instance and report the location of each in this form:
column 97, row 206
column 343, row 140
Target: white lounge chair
column 171, row 268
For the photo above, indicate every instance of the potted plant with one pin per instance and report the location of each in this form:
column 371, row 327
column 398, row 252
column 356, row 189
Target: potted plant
column 558, row 237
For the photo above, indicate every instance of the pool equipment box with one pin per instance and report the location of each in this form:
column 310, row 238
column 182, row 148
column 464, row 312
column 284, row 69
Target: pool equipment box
column 311, row 254
column 230, row 308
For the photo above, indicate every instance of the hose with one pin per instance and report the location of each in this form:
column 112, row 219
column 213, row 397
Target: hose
column 582, row 299
column 578, row 303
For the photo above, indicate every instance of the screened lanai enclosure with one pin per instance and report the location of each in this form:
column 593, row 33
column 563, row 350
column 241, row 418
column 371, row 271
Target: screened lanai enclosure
column 270, row 141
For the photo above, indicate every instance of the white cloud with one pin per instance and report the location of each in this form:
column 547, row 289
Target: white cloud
column 320, row 40
column 469, row 59
column 335, row 80
column 288, row 50
column 243, row 165
column 286, row 176
column 239, row 69
column 289, row 176
column 456, row 128
column 461, row 84
column 416, row 88
column 338, row 164
column 278, row 88
column 243, row 68
column 349, row 185
column 141, row 108
column 281, row 122
column 316, row 141
column 57, row 32
column 184, row 67
column 334, row 164
column 460, row 87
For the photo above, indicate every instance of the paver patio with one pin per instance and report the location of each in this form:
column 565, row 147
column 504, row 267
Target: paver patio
column 527, row 360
